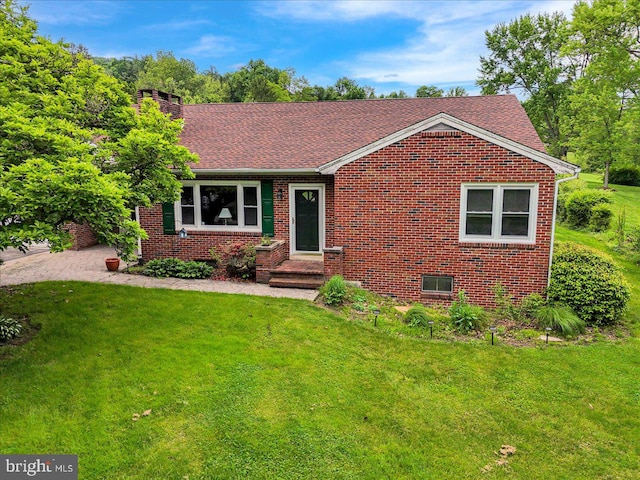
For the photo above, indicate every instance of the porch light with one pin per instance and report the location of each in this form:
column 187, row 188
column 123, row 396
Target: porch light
column 182, row 233
column 493, row 331
column 225, row 214
column 280, row 194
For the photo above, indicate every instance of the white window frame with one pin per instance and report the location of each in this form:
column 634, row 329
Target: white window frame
column 496, row 225
column 196, row 184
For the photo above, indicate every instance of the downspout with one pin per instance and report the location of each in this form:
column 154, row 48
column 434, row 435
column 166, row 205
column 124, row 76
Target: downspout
column 553, row 221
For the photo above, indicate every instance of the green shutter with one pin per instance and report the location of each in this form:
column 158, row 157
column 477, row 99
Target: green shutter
column 267, row 207
column 168, row 219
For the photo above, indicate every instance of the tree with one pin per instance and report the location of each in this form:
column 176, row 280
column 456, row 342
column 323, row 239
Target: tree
column 399, row 94
column 429, row 91
column 604, row 103
column 62, row 119
column 456, row 92
column 525, row 56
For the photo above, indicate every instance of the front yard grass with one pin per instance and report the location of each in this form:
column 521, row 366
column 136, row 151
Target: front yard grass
column 250, row 387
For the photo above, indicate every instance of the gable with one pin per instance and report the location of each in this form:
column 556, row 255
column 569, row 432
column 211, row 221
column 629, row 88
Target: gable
column 447, row 123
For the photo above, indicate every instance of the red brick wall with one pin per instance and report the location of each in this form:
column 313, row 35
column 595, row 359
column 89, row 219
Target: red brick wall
column 397, row 216
column 83, row 236
column 196, row 246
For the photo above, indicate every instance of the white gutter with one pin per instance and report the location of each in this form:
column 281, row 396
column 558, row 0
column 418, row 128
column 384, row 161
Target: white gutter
column 553, row 221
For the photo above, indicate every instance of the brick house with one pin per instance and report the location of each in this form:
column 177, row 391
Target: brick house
column 415, row 198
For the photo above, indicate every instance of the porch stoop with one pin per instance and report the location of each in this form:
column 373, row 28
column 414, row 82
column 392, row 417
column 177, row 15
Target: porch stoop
column 298, row 274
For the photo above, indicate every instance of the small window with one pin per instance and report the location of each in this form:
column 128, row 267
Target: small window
column 440, row 284
column 498, row 213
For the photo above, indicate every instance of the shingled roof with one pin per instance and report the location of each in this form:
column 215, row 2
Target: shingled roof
column 291, row 136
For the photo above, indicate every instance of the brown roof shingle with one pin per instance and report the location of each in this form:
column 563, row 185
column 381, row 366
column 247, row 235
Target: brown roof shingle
column 309, row 135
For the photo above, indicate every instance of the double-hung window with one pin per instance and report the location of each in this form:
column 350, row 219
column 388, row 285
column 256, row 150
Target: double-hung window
column 211, row 205
column 498, row 213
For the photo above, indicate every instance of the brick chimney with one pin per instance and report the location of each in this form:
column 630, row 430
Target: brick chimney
column 168, row 103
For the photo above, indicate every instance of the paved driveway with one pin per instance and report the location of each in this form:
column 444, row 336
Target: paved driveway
column 88, row 265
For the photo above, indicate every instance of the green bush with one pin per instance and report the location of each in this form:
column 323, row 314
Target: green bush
column 579, row 206
column 194, row 270
column 174, row 267
column 601, row 216
column 334, row 290
column 417, row 316
column 589, row 282
column 467, row 317
column 564, row 191
column 162, row 267
column 531, row 304
column 9, row 328
column 625, row 175
column 559, row 318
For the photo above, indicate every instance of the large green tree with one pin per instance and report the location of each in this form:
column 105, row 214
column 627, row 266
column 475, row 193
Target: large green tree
column 604, row 103
column 524, row 56
column 71, row 147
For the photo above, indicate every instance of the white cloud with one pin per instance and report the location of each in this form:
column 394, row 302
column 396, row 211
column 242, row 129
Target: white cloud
column 444, row 50
column 213, row 46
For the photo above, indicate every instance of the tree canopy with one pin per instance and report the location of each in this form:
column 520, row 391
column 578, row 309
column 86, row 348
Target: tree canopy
column 580, row 79
column 72, row 149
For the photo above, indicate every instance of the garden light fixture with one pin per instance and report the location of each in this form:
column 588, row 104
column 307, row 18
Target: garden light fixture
column 431, row 328
column 376, row 312
column 548, row 329
column 493, row 331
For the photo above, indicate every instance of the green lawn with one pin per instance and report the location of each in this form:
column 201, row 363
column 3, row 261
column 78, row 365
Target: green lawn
column 623, row 197
column 248, row 387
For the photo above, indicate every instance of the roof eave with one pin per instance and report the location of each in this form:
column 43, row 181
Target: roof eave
column 254, row 171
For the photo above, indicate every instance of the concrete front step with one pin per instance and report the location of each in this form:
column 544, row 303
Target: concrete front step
column 297, row 274
column 303, row 267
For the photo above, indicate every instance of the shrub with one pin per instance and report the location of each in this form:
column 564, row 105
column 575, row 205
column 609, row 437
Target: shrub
column 173, row 267
column 580, row 203
column 559, row 318
column 601, row 216
column 504, row 302
column 467, row 317
column 241, row 260
column 216, row 258
column 9, row 328
column 162, row 267
column 334, row 290
column 589, row 282
column 564, row 191
column 625, row 175
column 417, row 316
column 194, row 270
column 531, row 304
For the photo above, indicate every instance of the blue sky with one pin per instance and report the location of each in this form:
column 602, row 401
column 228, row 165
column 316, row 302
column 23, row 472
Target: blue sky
column 389, row 45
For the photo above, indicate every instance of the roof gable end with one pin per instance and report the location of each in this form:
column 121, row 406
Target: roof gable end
column 439, row 122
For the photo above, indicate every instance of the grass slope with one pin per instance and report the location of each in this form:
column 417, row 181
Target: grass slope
column 248, row 387
column 623, row 197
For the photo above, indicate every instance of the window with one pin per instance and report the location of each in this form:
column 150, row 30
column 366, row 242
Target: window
column 503, row 213
column 220, row 205
column 440, row 284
